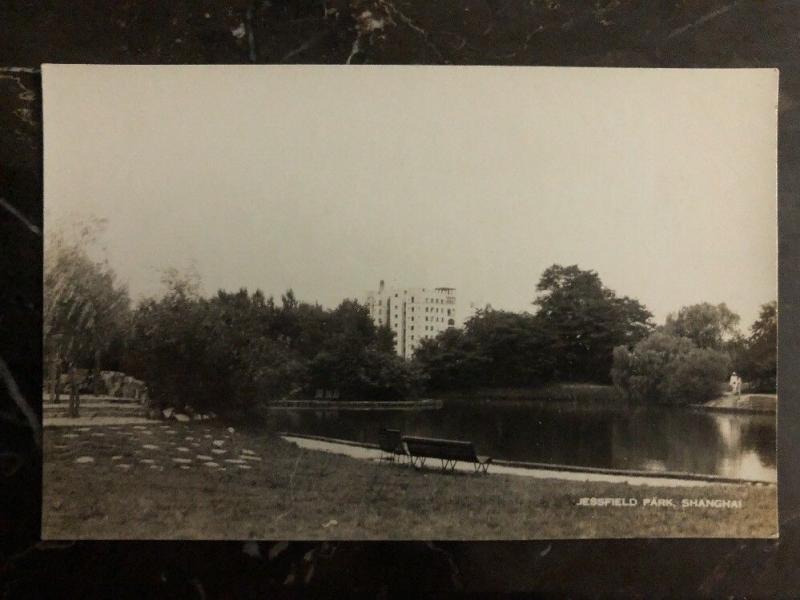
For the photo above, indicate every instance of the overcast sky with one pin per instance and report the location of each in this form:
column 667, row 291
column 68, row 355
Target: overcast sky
column 328, row 179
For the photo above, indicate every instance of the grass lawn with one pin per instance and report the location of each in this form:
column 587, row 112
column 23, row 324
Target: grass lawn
column 301, row 494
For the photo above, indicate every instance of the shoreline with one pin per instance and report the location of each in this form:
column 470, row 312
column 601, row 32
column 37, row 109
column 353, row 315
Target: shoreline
column 368, row 451
column 424, row 404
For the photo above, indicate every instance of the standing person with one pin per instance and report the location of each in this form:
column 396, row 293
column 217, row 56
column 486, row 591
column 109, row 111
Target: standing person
column 735, row 382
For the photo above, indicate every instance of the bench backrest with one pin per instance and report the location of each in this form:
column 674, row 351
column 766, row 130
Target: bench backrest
column 439, row 448
column 389, row 439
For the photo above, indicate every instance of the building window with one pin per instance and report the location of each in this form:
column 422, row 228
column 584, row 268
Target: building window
column 412, row 298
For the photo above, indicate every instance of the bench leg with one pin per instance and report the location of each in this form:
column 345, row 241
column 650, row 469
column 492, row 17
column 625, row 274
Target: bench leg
column 482, row 468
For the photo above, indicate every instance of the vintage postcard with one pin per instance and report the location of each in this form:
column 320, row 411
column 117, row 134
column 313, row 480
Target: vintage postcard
column 467, row 303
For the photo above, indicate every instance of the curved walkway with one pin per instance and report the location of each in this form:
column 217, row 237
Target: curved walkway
column 369, row 452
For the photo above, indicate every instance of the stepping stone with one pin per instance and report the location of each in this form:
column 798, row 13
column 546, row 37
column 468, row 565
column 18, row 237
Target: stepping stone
column 116, row 457
column 182, row 449
column 248, row 457
column 186, row 467
column 147, row 461
column 156, row 467
column 188, row 438
column 123, row 466
column 140, row 427
column 219, row 443
column 171, row 432
column 211, row 464
column 246, row 451
column 84, row 429
column 235, row 461
column 182, row 460
column 71, row 435
column 204, row 457
column 84, row 459
column 218, row 451
column 245, row 467
column 147, row 432
column 150, row 447
column 208, row 435
column 98, row 434
column 195, row 445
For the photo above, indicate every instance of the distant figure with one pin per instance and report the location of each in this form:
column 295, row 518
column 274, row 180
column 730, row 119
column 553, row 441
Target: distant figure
column 736, row 384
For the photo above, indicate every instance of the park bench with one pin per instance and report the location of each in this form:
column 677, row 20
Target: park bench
column 390, row 442
column 447, row 451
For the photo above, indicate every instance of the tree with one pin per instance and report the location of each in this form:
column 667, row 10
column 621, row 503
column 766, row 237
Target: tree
column 668, row 368
column 451, row 361
column 84, row 310
column 707, row 325
column 759, row 359
column 583, row 321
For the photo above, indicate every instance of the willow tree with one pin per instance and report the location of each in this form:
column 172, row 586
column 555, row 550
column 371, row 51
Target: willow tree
column 83, row 309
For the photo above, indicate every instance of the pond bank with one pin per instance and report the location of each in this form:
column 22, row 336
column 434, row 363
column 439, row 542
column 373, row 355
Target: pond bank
column 746, row 403
column 425, row 404
column 367, row 451
column 557, row 392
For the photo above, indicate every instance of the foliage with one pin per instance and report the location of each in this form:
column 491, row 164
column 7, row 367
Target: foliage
column 707, row 325
column 583, row 321
column 668, row 368
column 85, row 311
column 758, row 362
column 236, row 350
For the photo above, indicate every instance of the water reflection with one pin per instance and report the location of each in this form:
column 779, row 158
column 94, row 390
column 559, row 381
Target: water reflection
column 647, row 438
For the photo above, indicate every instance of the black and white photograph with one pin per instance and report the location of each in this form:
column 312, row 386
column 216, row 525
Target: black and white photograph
column 409, row 303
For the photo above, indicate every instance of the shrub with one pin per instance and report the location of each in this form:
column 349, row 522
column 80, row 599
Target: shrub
column 667, row 368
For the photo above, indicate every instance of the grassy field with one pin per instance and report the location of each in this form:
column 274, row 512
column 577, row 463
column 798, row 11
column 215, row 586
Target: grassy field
column 270, row 489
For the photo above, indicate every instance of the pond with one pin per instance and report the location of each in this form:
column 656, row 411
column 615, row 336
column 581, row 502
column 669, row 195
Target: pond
column 735, row 445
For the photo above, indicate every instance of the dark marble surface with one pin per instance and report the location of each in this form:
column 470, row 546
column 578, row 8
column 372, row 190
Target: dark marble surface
column 605, row 33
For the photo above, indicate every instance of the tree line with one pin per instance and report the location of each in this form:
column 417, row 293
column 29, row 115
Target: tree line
column 234, row 350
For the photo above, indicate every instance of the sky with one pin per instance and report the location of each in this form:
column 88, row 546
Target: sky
column 327, row 179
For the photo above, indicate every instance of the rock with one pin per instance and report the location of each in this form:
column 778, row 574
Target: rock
column 168, row 412
column 204, row 457
column 211, row 464
column 218, row 451
column 182, row 449
column 182, row 418
column 116, row 457
column 182, row 460
column 84, row 459
column 150, row 447
column 219, row 443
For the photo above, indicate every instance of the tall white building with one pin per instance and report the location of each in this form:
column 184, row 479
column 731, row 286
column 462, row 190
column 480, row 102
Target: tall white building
column 414, row 314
